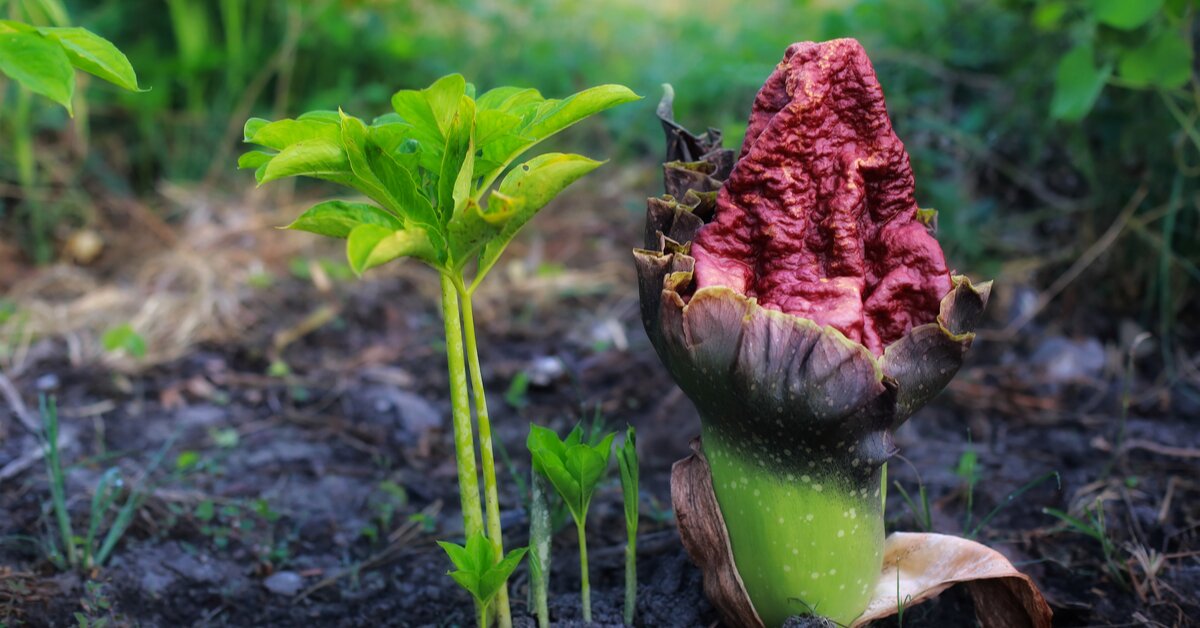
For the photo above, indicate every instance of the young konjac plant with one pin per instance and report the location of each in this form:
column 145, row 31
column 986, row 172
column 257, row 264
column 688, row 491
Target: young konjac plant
column 627, row 462
column 480, row 571
column 801, row 301
column 430, row 170
column 574, row 468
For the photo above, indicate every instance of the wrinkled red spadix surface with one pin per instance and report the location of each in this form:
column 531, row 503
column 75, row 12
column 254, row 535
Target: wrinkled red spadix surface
column 818, row 218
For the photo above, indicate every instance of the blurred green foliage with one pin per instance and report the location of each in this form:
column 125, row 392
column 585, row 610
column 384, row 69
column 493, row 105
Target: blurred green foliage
column 1031, row 123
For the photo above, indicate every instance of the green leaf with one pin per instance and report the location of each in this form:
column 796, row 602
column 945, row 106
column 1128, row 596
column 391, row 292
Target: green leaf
column 491, row 125
column 507, row 98
column 574, row 468
column 337, row 219
column 1125, row 14
column 1077, row 84
column 566, row 112
column 457, row 161
column 252, row 126
column 254, row 159
column 493, row 579
column 124, row 338
column 477, row 569
column 379, row 176
column 530, row 187
column 314, row 158
column 444, row 96
column 284, row 133
column 354, row 142
column 627, row 462
column 468, row 232
column 392, row 137
column 39, row 64
column 370, row 245
column 95, row 55
column 328, row 116
column 1163, row 61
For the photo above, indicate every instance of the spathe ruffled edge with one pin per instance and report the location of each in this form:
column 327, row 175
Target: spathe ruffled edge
column 919, row 364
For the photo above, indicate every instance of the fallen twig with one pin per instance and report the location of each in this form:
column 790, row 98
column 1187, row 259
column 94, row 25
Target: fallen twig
column 18, row 405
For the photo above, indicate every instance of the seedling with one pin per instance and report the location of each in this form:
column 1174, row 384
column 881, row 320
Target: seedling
column 92, row 549
column 574, row 468
column 429, row 170
column 1093, row 524
column 124, row 338
column 480, row 571
column 968, row 471
column 627, row 461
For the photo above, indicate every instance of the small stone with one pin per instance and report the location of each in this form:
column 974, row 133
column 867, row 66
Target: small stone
column 47, row 382
column 545, row 370
column 287, row 583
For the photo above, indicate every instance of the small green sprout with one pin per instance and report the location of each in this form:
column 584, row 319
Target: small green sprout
column 627, row 461
column 1093, row 524
column 479, row 572
column 124, row 338
column 90, row 551
column 574, row 467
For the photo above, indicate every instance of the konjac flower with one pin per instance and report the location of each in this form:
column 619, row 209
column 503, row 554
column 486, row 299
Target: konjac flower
column 799, row 298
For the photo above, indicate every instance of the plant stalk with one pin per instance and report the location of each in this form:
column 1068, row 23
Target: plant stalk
column 630, row 576
column 487, row 457
column 464, row 438
column 585, row 589
column 807, row 539
column 539, row 546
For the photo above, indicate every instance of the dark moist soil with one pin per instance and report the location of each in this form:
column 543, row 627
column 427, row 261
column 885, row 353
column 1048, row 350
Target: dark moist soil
column 313, row 498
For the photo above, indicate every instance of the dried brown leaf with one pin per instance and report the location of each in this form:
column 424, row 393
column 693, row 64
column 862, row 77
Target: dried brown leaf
column 917, row 567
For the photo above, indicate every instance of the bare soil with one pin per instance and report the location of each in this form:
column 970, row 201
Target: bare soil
column 313, row 497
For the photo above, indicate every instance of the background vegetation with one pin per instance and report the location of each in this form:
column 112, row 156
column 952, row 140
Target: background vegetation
column 1032, row 123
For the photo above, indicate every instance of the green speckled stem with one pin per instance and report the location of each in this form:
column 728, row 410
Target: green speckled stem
column 804, row 542
column 487, row 457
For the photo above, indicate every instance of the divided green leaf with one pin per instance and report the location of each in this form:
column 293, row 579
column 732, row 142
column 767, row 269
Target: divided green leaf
column 526, row 190
column 573, row 467
column 431, row 166
column 476, row 567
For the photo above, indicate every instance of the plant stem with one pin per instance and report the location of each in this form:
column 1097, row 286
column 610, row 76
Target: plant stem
column 487, row 457
column 464, row 438
column 630, row 576
column 584, row 588
column 805, row 540
column 539, row 546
